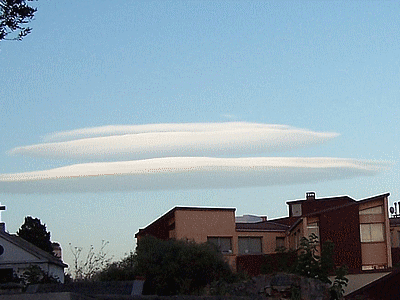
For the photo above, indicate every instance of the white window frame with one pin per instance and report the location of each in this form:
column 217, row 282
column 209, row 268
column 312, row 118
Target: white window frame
column 372, row 233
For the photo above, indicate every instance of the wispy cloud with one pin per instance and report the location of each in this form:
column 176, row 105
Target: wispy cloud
column 185, row 173
column 113, row 143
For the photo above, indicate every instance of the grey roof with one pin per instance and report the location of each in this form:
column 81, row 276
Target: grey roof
column 32, row 249
column 262, row 226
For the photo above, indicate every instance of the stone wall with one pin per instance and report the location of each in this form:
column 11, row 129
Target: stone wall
column 267, row 287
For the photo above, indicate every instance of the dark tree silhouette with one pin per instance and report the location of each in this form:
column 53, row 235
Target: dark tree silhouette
column 178, row 266
column 14, row 14
column 35, row 232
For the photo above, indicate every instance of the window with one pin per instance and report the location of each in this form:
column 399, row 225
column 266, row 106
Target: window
column 223, row 243
column 6, row 275
column 249, row 245
column 280, row 242
column 371, row 232
column 377, row 210
column 313, row 228
column 296, row 210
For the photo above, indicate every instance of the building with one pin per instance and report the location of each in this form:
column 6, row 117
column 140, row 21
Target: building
column 215, row 225
column 360, row 231
column 395, row 234
column 16, row 254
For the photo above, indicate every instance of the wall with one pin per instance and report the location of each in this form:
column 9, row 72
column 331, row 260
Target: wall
column 14, row 253
column 197, row 225
column 376, row 254
column 341, row 226
column 268, row 239
column 294, row 238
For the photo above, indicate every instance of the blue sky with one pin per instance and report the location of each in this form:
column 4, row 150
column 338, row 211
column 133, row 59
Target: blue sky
column 204, row 79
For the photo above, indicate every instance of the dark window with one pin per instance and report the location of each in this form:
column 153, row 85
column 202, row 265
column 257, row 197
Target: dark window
column 6, row 275
column 249, row 245
column 280, row 242
column 223, row 243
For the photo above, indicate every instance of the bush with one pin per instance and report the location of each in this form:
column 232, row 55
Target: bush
column 179, row 267
column 34, row 275
column 119, row 271
column 311, row 265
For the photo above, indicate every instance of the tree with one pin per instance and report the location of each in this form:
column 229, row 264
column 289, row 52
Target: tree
column 311, row 265
column 14, row 14
column 178, row 266
column 92, row 265
column 35, row 232
column 122, row 270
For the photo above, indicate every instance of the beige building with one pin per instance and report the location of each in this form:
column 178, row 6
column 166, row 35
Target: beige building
column 359, row 229
column 218, row 226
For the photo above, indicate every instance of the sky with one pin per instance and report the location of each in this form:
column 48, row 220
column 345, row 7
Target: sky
column 114, row 112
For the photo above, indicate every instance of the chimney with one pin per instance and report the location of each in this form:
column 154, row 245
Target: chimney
column 310, row 196
column 57, row 250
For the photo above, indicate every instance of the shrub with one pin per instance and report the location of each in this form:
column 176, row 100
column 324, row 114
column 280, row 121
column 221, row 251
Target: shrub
column 179, row 267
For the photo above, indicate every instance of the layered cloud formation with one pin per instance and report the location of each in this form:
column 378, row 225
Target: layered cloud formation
column 114, row 143
column 185, row 173
column 177, row 156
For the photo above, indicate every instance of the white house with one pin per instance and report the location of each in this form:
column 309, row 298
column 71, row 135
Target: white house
column 16, row 254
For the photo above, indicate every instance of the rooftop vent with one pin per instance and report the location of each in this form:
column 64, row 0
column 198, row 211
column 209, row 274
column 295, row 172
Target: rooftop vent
column 310, row 196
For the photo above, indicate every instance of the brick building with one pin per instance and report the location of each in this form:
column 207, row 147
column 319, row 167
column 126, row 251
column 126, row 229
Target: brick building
column 359, row 229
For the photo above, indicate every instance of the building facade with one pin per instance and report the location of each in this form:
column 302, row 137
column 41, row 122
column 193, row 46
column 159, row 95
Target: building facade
column 17, row 254
column 360, row 230
column 215, row 225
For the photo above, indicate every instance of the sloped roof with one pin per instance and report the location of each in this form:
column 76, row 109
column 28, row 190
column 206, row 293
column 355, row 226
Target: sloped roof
column 327, row 199
column 287, row 223
column 370, row 199
column 32, row 249
column 262, row 226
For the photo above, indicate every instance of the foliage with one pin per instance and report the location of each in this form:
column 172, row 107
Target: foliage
column 93, row 263
column 311, row 265
column 119, row 271
column 295, row 293
column 35, row 232
column 281, row 261
column 13, row 15
column 340, row 282
column 179, row 266
column 34, row 274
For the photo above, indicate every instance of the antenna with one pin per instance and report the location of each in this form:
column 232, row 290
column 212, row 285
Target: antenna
column 391, row 209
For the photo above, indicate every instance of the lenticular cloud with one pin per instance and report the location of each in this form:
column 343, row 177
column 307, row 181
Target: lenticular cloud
column 115, row 143
column 185, row 173
column 178, row 156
